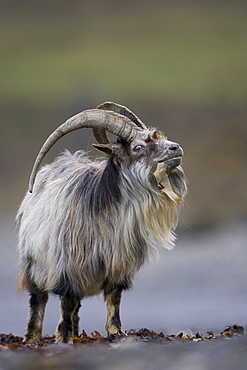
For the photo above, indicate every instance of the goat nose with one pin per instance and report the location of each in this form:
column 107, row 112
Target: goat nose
column 175, row 149
column 174, row 146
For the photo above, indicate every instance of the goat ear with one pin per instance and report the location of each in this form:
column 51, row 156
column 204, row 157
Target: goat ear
column 107, row 148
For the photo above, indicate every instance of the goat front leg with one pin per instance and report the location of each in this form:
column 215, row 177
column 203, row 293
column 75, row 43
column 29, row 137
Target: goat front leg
column 68, row 324
column 37, row 304
column 113, row 322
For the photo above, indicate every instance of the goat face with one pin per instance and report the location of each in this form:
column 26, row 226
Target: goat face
column 151, row 149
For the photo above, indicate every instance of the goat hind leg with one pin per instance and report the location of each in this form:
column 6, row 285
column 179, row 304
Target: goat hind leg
column 113, row 322
column 75, row 321
column 37, row 304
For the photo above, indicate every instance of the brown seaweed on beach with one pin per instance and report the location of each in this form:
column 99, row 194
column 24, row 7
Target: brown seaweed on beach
column 12, row 342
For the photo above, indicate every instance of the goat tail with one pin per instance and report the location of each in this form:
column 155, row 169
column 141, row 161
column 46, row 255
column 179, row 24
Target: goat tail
column 22, row 282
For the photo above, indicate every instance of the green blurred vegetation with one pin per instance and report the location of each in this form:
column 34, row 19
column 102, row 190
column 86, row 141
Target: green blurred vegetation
column 180, row 65
column 186, row 51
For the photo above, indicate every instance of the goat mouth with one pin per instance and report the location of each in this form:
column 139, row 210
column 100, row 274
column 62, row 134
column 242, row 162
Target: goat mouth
column 171, row 163
column 177, row 158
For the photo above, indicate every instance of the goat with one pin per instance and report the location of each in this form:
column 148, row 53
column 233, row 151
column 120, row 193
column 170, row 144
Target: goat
column 87, row 226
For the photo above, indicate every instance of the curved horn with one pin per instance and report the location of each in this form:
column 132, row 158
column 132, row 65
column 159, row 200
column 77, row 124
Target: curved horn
column 101, row 135
column 94, row 118
column 121, row 109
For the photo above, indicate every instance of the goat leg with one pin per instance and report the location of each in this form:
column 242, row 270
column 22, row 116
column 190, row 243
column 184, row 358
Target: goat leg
column 75, row 321
column 68, row 320
column 36, row 315
column 113, row 322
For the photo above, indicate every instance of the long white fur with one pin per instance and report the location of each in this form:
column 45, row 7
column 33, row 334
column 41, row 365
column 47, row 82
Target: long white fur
column 59, row 235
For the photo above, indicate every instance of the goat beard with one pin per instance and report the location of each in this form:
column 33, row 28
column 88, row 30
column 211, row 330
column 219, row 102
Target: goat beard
column 161, row 175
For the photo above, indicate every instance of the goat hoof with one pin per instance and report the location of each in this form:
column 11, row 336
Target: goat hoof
column 61, row 339
column 31, row 341
column 120, row 334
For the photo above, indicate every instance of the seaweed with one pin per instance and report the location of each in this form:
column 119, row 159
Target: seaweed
column 13, row 343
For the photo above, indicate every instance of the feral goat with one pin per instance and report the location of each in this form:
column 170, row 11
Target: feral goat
column 88, row 226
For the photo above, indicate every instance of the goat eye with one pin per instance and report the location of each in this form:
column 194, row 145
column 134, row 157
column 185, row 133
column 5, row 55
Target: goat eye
column 137, row 148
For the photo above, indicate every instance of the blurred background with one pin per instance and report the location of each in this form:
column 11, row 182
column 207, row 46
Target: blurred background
column 180, row 66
